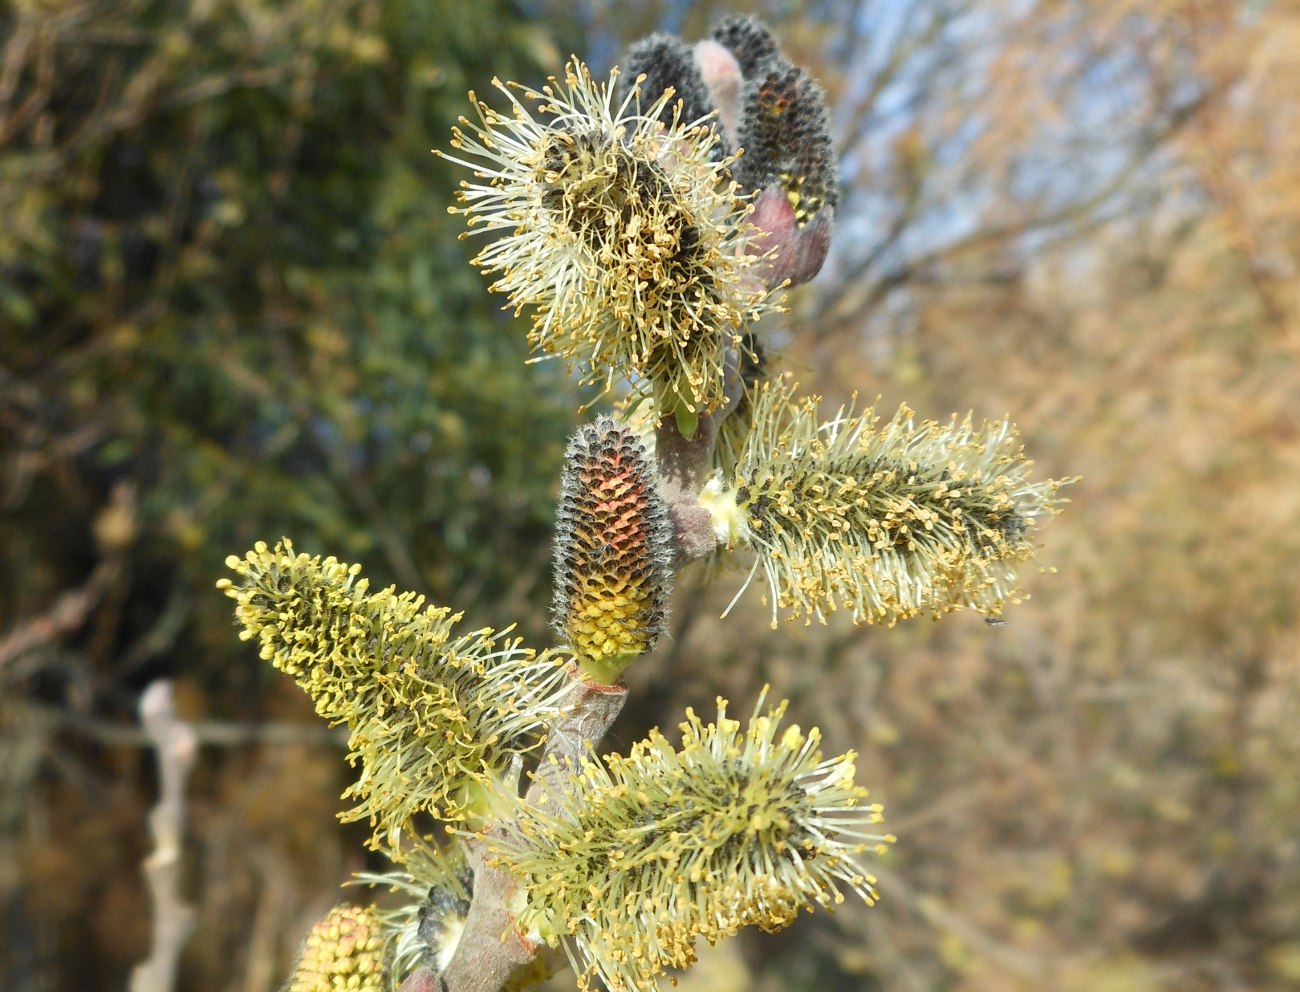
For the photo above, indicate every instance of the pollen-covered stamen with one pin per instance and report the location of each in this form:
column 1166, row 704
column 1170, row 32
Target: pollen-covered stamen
column 595, row 186
column 603, row 194
column 886, row 520
column 737, row 826
column 343, row 951
column 620, row 228
column 612, row 550
column 754, row 370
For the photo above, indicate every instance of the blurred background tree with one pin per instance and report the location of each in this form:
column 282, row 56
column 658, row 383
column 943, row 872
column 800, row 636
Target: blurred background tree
column 233, row 308
column 233, row 305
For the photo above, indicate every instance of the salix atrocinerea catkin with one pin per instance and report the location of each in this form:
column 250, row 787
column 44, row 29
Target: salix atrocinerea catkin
column 739, row 826
column 623, row 234
column 783, row 125
column 344, row 952
column 784, row 132
column 613, row 559
column 663, row 62
column 435, row 720
column 885, row 520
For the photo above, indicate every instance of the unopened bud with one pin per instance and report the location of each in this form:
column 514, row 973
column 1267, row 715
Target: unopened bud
column 612, row 550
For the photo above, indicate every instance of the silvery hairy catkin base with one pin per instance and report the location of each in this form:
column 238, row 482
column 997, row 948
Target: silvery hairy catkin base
column 612, row 550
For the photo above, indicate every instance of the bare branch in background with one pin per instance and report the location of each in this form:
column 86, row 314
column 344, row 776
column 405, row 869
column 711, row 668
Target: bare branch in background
column 172, row 918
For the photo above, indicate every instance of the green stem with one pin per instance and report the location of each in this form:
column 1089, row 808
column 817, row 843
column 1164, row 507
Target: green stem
column 605, row 671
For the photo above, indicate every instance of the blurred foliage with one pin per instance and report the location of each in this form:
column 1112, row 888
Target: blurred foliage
column 233, row 307
column 230, row 284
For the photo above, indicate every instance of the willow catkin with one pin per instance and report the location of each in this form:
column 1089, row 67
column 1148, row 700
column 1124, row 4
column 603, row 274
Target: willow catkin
column 613, row 559
column 433, row 717
column 738, row 826
column 886, row 520
column 624, row 235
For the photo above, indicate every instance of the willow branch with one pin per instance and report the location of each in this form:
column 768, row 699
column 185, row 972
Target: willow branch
column 491, row 946
column 685, row 464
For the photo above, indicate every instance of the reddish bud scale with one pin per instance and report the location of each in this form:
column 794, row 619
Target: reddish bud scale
column 612, row 546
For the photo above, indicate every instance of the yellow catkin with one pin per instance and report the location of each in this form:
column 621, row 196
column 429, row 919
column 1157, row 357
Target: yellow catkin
column 886, row 520
column 736, row 827
column 343, row 953
column 434, row 716
column 622, row 234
